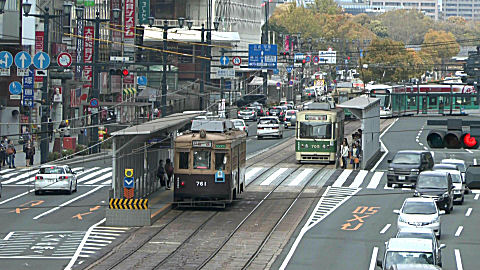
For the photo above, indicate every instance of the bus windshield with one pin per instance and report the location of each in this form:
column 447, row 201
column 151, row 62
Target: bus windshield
column 315, row 130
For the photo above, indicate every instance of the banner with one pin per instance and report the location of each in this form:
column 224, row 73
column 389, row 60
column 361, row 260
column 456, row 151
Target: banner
column 143, row 11
column 129, row 19
column 116, row 24
column 78, row 69
column 39, row 36
column 88, row 55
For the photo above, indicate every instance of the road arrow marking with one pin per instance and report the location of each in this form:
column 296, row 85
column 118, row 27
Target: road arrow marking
column 79, row 215
column 6, row 60
column 95, row 208
column 346, row 226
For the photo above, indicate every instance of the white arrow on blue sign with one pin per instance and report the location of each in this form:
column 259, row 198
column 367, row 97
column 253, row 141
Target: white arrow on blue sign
column 128, row 182
column 15, row 88
column 224, row 60
column 6, row 59
column 142, row 80
column 41, row 60
column 289, row 69
column 23, row 59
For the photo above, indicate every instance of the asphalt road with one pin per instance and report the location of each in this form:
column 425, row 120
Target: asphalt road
column 44, row 232
column 353, row 235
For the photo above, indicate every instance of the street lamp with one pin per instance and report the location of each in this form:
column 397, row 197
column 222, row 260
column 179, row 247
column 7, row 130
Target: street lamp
column 165, row 27
column 2, row 6
column 45, row 112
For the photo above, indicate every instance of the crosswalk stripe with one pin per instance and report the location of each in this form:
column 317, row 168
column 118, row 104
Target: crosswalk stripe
column 101, row 178
column 342, row 178
column 359, row 179
column 89, row 176
column 251, row 173
column 5, row 171
column 87, row 171
column 77, row 169
column 28, row 180
column 108, row 182
column 302, row 176
column 273, row 176
column 21, row 176
column 377, row 176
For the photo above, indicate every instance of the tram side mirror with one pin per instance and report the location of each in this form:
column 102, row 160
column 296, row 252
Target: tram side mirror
column 224, row 160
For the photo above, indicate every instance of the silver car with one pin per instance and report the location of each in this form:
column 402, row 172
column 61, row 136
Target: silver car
column 420, row 213
column 55, row 178
column 422, row 233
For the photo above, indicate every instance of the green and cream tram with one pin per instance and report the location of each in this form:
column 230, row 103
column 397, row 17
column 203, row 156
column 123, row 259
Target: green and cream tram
column 319, row 133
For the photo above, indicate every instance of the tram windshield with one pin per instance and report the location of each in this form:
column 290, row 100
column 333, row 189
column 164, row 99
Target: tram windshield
column 315, row 130
column 384, row 100
column 201, row 160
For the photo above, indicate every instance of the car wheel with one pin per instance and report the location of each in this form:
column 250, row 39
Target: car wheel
column 463, row 199
column 76, row 187
column 69, row 191
column 389, row 184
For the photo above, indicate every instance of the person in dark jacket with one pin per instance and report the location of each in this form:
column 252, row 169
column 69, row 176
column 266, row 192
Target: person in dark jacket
column 161, row 173
column 169, row 171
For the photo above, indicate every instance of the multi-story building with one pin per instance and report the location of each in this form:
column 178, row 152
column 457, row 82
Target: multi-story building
column 431, row 8
column 468, row 9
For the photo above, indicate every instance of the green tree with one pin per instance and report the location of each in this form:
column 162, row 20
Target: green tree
column 408, row 26
column 439, row 46
column 326, row 7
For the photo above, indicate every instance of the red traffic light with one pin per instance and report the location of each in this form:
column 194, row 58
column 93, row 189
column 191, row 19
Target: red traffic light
column 468, row 140
column 304, row 61
column 125, row 72
column 348, row 57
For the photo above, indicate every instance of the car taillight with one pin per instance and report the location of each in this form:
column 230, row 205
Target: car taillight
column 261, row 111
column 244, row 128
column 268, row 113
column 182, row 183
column 63, row 177
column 38, row 177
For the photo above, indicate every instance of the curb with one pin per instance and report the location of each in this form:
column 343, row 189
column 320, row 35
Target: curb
column 87, row 158
column 160, row 213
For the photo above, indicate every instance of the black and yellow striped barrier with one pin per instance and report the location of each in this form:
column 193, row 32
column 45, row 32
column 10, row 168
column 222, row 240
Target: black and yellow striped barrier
column 133, row 204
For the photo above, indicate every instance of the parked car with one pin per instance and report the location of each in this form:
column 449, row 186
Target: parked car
column 269, row 126
column 247, row 113
column 55, row 178
column 423, row 233
column 288, row 117
column 408, row 251
column 437, row 185
column 420, row 212
column 240, row 124
column 406, row 165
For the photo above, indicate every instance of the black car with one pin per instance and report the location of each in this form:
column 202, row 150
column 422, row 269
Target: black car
column 437, row 185
column 472, row 177
column 406, row 165
column 276, row 111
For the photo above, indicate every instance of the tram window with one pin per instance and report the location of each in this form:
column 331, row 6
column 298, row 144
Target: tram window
column 312, row 130
column 412, row 101
column 220, row 161
column 432, row 101
column 183, row 160
column 201, row 160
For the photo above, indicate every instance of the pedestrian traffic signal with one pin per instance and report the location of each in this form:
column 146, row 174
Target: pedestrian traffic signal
column 452, row 139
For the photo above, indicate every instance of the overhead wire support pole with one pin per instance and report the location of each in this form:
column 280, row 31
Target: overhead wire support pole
column 265, row 41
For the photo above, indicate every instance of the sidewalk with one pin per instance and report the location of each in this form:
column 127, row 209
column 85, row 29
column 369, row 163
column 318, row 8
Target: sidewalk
column 20, row 160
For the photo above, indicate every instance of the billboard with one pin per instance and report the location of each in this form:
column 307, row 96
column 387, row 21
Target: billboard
column 88, row 56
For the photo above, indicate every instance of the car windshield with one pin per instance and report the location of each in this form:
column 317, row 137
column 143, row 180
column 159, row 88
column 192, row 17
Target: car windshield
column 315, row 130
column 268, row 121
column 406, row 158
column 414, row 235
column 237, row 123
column 419, row 208
column 460, row 165
column 276, row 110
column 402, row 257
column 456, row 178
column 432, row 181
column 52, row 170
column 248, row 110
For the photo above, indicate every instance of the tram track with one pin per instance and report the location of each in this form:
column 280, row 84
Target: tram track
column 255, row 210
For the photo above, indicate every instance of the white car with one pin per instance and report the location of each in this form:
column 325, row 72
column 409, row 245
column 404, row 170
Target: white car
column 240, row 124
column 423, row 233
column 460, row 164
column 420, row 213
column 269, row 126
column 55, row 178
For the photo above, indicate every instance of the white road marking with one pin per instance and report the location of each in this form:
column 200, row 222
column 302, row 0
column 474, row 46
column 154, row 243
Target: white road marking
column 383, row 146
column 458, row 259
column 101, row 178
column 16, row 197
column 459, row 231
column 301, row 176
column 377, row 176
column 469, row 212
column 387, row 187
column 385, row 229
column 373, row 260
column 77, row 169
column 91, row 175
column 476, row 196
column 273, row 176
column 21, row 176
column 417, row 140
column 474, row 161
column 6, row 170
column 8, row 236
column 80, row 247
column 425, row 148
column 406, row 188
column 359, row 179
column 251, row 173
column 469, row 151
column 87, row 171
column 342, row 178
column 68, row 202
column 421, row 144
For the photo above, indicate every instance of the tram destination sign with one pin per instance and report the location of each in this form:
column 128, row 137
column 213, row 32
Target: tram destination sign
column 315, row 117
column 201, row 143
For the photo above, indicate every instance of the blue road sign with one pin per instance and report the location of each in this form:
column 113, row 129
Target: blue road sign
column 28, row 101
column 6, row 59
column 142, row 80
column 27, row 93
column 224, row 60
column 128, row 182
column 15, row 88
column 228, row 85
column 94, row 103
column 41, row 60
column 289, row 69
column 262, row 56
column 28, row 80
column 23, row 59
column 316, row 59
column 290, row 82
column 276, row 71
column 278, row 84
column 361, row 52
column 308, row 58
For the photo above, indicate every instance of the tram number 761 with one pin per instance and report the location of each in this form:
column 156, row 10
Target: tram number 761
column 201, row 183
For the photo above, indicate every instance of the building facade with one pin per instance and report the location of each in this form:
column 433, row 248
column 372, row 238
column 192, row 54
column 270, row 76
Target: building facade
column 468, row 9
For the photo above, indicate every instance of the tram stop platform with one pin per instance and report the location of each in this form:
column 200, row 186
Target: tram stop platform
column 136, row 197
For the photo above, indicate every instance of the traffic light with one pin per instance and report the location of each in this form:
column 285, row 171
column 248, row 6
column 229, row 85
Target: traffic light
column 121, row 72
column 125, row 72
column 452, row 139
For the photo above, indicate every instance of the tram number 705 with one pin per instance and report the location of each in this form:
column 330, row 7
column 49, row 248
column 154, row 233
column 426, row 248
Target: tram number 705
column 201, row 183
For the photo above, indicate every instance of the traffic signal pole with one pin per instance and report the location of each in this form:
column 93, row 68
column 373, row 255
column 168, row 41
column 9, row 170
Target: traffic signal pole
column 45, row 142
column 95, row 89
column 265, row 41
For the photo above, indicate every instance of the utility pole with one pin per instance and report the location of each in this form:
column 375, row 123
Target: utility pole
column 265, row 41
column 164, row 69
column 202, row 53
column 222, row 79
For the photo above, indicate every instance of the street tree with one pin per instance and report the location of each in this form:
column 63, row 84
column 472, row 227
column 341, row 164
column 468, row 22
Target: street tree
column 408, row 26
column 439, row 46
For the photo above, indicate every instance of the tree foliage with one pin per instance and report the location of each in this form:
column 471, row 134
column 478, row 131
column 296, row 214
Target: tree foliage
column 439, row 46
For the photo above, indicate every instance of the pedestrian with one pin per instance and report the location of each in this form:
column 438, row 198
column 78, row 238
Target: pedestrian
column 11, row 154
column 355, row 156
column 161, row 173
column 344, row 153
column 50, row 129
column 26, row 148
column 169, row 171
column 3, row 152
column 30, row 154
